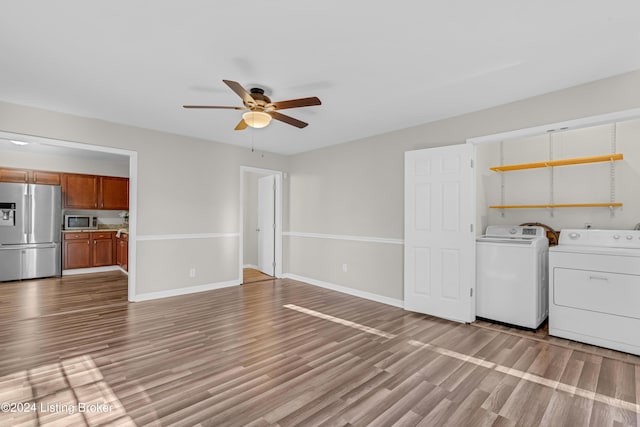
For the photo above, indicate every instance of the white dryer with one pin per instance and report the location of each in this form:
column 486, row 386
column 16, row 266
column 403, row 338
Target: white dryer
column 512, row 275
column 595, row 288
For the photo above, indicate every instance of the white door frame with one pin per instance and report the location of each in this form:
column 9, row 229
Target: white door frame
column 278, row 218
column 133, row 190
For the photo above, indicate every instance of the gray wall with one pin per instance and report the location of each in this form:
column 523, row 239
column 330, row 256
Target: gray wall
column 357, row 188
column 186, row 186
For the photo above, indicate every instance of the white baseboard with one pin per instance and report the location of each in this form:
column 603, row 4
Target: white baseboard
column 255, row 267
column 91, row 270
column 184, row 291
column 346, row 290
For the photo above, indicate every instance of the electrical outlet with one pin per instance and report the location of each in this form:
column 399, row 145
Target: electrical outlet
column 192, row 272
column 344, row 268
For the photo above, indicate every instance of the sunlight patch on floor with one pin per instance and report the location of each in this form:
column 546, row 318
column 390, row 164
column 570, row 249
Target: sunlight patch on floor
column 70, row 392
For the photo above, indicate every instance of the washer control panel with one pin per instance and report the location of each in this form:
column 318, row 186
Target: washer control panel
column 515, row 231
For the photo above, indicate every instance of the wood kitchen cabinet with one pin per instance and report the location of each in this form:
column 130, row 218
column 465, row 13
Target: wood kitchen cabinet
column 14, row 175
column 103, row 248
column 113, row 193
column 46, row 177
column 89, row 249
column 77, row 250
column 95, row 192
column 122, row 251
column 30, row 176
column 80, row 191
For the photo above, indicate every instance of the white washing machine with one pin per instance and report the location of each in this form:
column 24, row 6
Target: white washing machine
column 512, row 275
column 595, row 288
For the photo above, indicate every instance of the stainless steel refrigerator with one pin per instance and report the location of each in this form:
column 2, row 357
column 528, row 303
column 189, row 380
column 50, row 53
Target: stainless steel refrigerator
column 30, row 231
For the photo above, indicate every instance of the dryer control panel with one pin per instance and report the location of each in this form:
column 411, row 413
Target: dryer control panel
column 601, row 238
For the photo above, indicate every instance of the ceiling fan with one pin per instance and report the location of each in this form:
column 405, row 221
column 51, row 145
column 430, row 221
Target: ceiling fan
column 261, row 109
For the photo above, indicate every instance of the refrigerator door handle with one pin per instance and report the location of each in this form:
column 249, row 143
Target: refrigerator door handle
column 32, row 215
column 26, row 218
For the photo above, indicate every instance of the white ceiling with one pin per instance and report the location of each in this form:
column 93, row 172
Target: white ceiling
column 376, row 66
column 41, row 146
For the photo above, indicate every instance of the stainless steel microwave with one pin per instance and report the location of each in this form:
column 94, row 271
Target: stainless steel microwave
column 80, row 222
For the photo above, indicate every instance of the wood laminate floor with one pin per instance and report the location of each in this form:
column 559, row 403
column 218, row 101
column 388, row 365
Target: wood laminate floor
column 251, row 275
column 285, row 353
column 48, row 297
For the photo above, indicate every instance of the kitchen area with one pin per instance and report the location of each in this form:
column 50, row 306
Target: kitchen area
column 61, row 220
column 91, row 237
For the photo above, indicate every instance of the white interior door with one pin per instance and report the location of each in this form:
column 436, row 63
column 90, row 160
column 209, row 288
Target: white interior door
column 439, row 248
column 266, row 224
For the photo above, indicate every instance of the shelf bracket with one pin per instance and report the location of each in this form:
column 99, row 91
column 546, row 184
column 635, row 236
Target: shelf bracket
column 502, row 212
column 551, row 176
column 612, row 170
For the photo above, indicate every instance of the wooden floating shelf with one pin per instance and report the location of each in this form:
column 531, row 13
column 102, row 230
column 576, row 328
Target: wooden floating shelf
column 560, row 205
column 561, row 162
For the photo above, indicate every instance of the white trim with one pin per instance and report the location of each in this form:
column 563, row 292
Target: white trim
column 260, row 170
column 278, row 217
column 346, row 290
column 366, row 239
column 255, row 267
column 133, row 190
column 148, row 237
column 91, row 270
column 559, row 126
column 185, row 291
column 132, row 259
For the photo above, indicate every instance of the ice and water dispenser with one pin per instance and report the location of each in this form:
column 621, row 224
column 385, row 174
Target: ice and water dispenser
column 7, row 214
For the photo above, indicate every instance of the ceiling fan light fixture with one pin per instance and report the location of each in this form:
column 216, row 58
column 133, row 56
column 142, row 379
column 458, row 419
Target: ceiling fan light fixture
column 256, row 119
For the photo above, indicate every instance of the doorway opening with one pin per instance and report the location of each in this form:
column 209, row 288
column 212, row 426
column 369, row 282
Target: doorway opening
column 260, row 224
column 42, row 146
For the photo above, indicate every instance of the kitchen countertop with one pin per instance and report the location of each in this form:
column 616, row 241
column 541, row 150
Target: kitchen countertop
column 101, row 229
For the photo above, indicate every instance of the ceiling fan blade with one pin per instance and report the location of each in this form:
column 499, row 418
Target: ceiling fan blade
column 294, row 103
column 242, row 93
column 242, row 125
column 288, row 119
column 214, row 106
